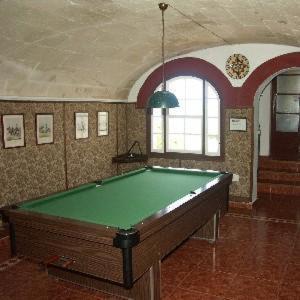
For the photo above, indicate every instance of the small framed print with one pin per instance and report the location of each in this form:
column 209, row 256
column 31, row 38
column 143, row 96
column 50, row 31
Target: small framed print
column 102, row 123
column 13, row 131
column 44, row 128
column 238, row 124
column 81, row 125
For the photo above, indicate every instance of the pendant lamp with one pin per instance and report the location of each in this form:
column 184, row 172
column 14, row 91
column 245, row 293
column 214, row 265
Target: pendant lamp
column 163, row 99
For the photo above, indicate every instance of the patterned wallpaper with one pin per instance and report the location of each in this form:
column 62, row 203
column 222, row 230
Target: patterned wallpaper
column 238, row 150
column 34, row 170
column 37, row 170
column 90, row 159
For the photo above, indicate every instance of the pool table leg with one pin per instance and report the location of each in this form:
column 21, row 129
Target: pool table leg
column 210, row 231
column 155, row 281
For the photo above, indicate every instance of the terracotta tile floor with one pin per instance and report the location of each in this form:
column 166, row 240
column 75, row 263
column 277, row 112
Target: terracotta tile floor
column 256, row 257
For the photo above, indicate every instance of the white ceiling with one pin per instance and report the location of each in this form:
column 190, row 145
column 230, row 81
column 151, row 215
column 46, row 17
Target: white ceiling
column 61, row 48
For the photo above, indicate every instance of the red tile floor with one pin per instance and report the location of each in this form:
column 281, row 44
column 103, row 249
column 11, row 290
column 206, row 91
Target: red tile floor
column 256, row 257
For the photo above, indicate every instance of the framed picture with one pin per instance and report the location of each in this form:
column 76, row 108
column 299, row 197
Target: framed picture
column 13, row 131
column 44, row 128
column 81, row 125
column 102, row 123
column 238, row 124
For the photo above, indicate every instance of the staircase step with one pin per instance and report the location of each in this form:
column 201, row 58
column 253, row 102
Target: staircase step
column 279, row 177
column 278, row 189
column 279, row 165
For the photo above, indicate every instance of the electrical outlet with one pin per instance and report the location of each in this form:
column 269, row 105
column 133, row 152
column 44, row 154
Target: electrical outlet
column 235, row 177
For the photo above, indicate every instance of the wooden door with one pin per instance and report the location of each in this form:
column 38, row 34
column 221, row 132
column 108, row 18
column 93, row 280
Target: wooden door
column 285, row 137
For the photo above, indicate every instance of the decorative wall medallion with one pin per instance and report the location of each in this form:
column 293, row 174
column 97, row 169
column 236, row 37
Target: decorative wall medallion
column 237, row 66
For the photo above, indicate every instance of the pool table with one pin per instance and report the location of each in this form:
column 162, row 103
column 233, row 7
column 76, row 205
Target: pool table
column 112, row 234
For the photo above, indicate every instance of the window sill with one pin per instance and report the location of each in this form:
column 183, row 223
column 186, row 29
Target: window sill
column 185, row 156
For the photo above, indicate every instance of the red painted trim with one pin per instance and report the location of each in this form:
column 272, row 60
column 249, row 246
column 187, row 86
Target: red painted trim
column 187, row 66
column 263, row 72
column 234, row 97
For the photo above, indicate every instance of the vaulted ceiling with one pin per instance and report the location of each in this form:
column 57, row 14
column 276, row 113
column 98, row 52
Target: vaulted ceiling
column 105, row 45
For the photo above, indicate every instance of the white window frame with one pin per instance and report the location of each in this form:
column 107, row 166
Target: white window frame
column 165, row 121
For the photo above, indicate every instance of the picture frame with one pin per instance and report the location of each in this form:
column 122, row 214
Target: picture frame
column 44, row 128
column 81, row 125
column 13, row 130
column 238, row 124
column 103, row 124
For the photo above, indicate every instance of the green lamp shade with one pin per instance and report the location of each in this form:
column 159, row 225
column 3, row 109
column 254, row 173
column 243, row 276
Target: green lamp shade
column 162, row 99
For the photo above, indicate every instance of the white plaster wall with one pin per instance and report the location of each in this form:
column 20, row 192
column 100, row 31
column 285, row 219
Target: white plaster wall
column 257, row 54
column 265, row 120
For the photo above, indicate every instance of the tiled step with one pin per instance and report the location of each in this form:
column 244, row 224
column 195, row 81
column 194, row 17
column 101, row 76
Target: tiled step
column 279, row 165
column 278, row 189
column 279, row 177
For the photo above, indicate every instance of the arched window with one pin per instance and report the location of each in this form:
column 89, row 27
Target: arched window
column 194, row 127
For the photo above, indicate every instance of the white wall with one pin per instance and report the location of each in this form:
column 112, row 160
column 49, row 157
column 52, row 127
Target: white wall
column 265, row 120
column 257, row 54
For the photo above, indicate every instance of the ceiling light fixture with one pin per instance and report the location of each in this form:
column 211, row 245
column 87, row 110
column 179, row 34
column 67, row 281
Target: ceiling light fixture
column 163, row 98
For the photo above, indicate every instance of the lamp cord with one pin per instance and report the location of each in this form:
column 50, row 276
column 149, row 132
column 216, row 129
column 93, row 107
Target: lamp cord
column 163, row 50
column 199, row 24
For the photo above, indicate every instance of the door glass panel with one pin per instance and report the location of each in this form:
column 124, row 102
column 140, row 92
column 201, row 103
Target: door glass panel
column 288, row 84
column 287, row 103
column 287, row 123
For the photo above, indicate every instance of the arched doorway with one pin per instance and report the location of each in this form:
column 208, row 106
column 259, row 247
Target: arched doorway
column 290, row 106
column 285, row 116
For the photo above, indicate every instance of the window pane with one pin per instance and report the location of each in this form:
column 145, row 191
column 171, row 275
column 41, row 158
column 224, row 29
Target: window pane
column 212, row 126
column 212, row 145
column 211, row 92
column 157, row 124
column 185, row 124
column 157, row 142
column 178, row 111
column 175, row 142
column 194, row 88
column 156, row 111
column 193, row 125
column 176, row 125
column 177, row 87
column 194, row 107
column 213, row 107
column 193, row 143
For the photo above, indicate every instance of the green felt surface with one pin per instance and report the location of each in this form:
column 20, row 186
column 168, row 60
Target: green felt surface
column 122, row 201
